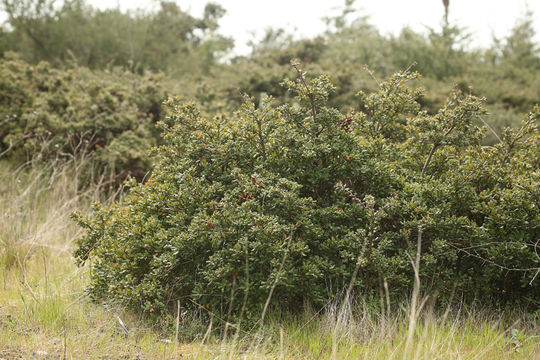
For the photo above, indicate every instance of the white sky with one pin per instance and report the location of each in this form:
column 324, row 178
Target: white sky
column 483, row 18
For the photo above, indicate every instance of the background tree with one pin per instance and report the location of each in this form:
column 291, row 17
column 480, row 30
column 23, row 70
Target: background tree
column 63, row 31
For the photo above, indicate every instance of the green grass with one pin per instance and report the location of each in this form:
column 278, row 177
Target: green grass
column 45, row 314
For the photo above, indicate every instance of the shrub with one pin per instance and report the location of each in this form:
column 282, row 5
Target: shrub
column 167, row 39
column 506, row 73
column 283, row 203
column 50, row 114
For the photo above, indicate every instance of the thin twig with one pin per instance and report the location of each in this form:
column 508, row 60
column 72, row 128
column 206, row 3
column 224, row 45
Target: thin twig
column 491, row 261
column 372, row 75
column 490, row 129
column 276, row 280
column 308, row 91
column 413, row 316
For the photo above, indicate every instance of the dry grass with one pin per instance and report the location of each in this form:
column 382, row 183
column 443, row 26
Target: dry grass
column 44, row 313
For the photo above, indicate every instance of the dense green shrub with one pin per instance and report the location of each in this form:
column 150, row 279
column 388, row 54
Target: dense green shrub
column 283, row 203
column 50, row 114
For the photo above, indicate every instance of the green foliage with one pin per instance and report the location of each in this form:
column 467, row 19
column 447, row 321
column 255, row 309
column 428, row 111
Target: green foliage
column 191, row 51
column 505, row 73
column 168, row 40
column 63, row 114
column 518, row 339
column 279, row 205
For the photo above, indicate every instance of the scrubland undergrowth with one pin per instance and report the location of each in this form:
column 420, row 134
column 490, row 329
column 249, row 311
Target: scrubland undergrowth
column 45, row 314
column 302, row 202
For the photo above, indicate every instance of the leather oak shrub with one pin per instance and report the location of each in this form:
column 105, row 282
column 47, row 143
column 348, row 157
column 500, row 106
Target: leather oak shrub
column 286, row 201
